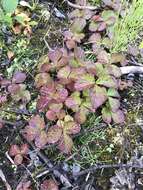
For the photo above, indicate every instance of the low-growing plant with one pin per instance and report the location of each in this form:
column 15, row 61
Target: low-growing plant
column 14, row 89
column 11, row 15
column 18, row 152
column 7, row 8
column 71, row 86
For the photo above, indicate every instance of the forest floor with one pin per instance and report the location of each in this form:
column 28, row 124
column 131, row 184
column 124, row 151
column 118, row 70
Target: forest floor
column 104, row 156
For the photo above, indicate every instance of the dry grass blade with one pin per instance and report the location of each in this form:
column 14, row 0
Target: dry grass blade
column 80, row 6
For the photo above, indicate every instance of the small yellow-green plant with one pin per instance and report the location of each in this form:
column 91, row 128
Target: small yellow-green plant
column 127, row 28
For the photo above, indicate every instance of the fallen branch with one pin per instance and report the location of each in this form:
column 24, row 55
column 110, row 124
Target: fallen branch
column 80, row 6
column 106, row 166
column 64, row 180
column 131, row 69
column 16, row 124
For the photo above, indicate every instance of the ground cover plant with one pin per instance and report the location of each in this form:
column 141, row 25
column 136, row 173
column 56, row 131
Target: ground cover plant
column 54, row 98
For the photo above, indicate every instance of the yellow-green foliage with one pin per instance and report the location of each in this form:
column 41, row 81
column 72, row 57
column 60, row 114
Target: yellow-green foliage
column 127, row 28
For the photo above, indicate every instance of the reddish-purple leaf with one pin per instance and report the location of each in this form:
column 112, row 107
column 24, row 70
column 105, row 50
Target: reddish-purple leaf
column 54, row 134
column 55, row 55
column 70, row 44
column 103, row 57
column 3, row 99
column 76, row 72
column 42, row 102
column 37, row 122
column 49, row 185
column 24, row 185
column 18, row 159
column 14, row 88
column 61, row 94
column 48, row 90
column 102, row 26
column 70, row 126
column 91, row 67
column 56, row 107
column 5, row 82
column 41, row 139
column 30, row 133
column 98, row 96
column 61, row 114
column 80, row 116
column 106, row 115
column 18, row 77
column 42, row 79
column 96, row 48
column 64, row 73
column 95, row 38
column 58, row 57
column 14, row 150
column 66, row 144
column 79, row 53
column 118, row 116
column 85, row 81
column 51, row 115
column 73, row 102
column 24, row 149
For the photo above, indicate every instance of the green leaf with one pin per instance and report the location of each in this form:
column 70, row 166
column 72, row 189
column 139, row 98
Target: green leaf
column 98, row 96
column 112, row 92
column 7, row 19
column 107, row 81
column 20, row 19
column 84, row 82
column 9, row 5
column 78, row 25
column 66, row 144
column 73, row 102
column 114, row 104
column 93, row 26
column 109, row 16
column 141, row 45
column 106, row 115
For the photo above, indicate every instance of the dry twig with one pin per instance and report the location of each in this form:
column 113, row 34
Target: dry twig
column 81, row 6
column 131, row 69
column 106, row 166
